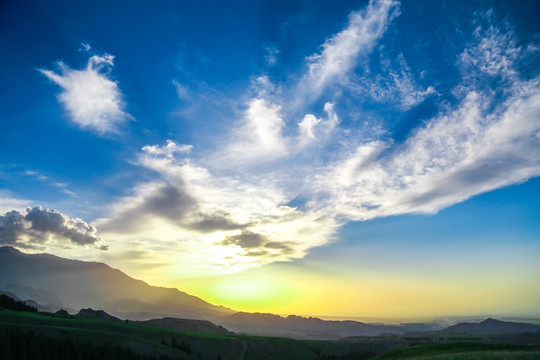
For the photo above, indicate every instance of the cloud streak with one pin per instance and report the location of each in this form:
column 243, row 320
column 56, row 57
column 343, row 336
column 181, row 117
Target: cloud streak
column 482, row 144
column 340, row 53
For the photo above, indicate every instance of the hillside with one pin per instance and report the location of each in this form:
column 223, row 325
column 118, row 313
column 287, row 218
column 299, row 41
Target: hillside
column 78, row 284
column 201, row 326
column 298, row 327
column 72, row 284
column 493, row 326
column 167, row 344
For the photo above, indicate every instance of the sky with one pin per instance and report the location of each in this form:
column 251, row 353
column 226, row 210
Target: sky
column 346, row 158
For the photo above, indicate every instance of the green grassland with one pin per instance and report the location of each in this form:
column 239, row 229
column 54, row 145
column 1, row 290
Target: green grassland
column 463, row 351
column 99, row 339
column 161, row 343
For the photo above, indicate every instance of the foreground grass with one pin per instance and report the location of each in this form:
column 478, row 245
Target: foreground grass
column 157, row 343
column 163, row 343
column 483, row 355
column 464, row 351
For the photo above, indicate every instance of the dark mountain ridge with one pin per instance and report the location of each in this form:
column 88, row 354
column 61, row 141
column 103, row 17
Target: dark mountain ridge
column 200, row 326
column 298, row 327
column 493, row 326
column 91, row 314
column 82, row 284
column 74, row 284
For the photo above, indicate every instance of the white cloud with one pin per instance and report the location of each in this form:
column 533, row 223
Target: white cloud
column 181, row 90
column 312, row 129
column 193, row 212
column 259, row 136
column 307, row 126
column 85, row 47
column 340, row 53
column 394, row 85
column 168, row 150
column 494, row 51
column 271, row 53
column 9, row 202
column 92, row 100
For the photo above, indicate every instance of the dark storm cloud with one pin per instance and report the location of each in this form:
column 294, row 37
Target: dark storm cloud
column 41, row 226
column 11, row 225
column 166, row 201
column 217, row 221
column 246, row 240
column 258, row 245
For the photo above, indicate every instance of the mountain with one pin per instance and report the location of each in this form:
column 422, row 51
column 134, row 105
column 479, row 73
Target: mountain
column 46, row 301
column 10, row 294
column 73, row 284
column 82, row 284
column 493, row 326
column 91, row 314
column 299, row 327
column 29, row 301
column 200, row 326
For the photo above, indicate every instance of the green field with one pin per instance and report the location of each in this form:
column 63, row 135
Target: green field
column 170, row 344
column 83, row 339
column 463, row 351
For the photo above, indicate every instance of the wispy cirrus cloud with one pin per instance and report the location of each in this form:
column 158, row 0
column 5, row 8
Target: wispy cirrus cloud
column 340, row 53
column 262, row 135
column 60, row 185
column 459, row 154
column 481, row 144
column 493, row 52
column 242, row 210
column 9, row 202
column 394, row 86
column 92, row 100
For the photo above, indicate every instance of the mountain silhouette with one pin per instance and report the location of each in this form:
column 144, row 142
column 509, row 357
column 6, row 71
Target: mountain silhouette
column 74, row 284
column 91, row 314
column 493, row 326
column 299, row 327
column 200, row 326
column 82, row 285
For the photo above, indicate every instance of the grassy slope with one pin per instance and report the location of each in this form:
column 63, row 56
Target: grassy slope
column 155, row 341
column 462, row 351
column 192, row 345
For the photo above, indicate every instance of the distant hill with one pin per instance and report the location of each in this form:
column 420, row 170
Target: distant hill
column 82, row 284
column 42, row 299
column 10, row 303
column 200, row 326
column 10, row 294
column 299, row 327
column 493, row 326
column 91, row 314
column 31, row 303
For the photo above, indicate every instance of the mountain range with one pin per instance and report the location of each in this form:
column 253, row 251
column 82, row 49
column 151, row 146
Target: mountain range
column 493, row 326
column 58, row 283
column 54, row 283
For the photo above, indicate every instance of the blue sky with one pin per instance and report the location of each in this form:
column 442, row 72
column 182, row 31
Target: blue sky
column 184, row 140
